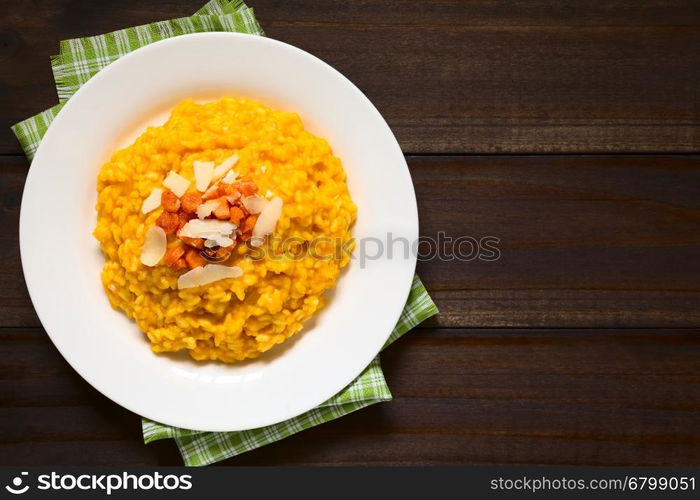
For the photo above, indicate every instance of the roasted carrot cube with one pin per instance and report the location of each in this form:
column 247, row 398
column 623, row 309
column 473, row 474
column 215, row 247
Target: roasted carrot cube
column 169, row 221
column 184, row 218
column 193, row 242
column 236, row 215
column 222, row 211
column 249, row 223
column 211, row 193
column 170, row 202
column 194, row 259
column 229, row 190
column 224, row 252
column 180, row 264
column 173, row 255
column 190, row 202
column 246, row 188
column 233, row 198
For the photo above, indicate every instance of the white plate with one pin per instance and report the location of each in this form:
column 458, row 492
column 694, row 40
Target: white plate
column 62, row 261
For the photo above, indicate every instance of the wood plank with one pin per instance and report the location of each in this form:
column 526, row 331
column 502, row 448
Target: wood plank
column 122, row 453
column 594, row 397
column 17, row 309
column 477, row 77
column 585, row 241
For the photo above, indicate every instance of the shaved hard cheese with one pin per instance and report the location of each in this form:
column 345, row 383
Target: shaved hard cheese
column 267, row 220
column 207, row 274
column 208, row 229
column 154, row 246
column 230, row 177
column 225, row 242
column 226, row 165
column 254, row 204
column 205, row 209
column 256, row 241
column 216, row 240
column 176, row 183
column 203, row 172
column 152, row 201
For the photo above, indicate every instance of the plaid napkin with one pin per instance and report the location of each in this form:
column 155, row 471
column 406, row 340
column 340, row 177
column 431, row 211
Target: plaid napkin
column 82, row 58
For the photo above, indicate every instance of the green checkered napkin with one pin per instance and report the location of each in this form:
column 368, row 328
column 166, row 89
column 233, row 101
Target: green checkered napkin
column 78, row 61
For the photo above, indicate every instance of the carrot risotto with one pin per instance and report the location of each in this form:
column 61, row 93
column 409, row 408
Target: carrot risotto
column 221, row 228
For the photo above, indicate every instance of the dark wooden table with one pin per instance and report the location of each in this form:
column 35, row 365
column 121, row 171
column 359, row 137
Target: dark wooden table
column 568, row 129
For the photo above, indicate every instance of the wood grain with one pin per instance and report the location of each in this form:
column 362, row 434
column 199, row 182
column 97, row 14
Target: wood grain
column 579, row 345
column 585, row 241
column 460, row 396
column 476, row 77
